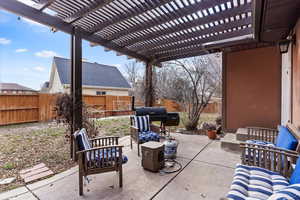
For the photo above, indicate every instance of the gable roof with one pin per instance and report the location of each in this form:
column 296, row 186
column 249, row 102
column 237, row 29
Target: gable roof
column 14, row 87
column 93, row 74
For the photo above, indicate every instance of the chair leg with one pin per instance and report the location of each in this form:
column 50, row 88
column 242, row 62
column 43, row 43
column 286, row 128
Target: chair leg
column 131, row 142
column 80, row 184
column 138, row 149
column 120, row 176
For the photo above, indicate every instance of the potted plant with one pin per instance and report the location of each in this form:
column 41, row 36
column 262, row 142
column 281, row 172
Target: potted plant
column 210, row 130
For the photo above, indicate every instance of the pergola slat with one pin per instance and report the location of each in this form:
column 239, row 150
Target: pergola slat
column 125, row 16
column 146, row 30
column 197, row 22
column 199, row 41
column 87, row 10
column 48, row 20
column 205, row 4
column 159, row 43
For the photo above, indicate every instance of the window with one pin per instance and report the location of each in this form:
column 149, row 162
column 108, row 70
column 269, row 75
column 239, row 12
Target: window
column 100, row 93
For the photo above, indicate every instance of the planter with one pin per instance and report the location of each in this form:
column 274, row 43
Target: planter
column 212, row 134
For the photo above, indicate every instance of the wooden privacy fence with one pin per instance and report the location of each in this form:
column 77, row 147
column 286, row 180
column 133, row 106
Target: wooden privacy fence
column 40, row 107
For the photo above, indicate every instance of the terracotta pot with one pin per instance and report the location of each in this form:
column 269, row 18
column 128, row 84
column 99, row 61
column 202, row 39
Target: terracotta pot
column 212, row 134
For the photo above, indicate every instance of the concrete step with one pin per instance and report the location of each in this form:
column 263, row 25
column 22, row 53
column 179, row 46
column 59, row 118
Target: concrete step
column 241, row 134
column 229, row 143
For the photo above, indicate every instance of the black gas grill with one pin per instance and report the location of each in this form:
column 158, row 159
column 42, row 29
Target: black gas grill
column 159, row 114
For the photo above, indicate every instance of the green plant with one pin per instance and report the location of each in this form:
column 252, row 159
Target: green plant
column 8, row 166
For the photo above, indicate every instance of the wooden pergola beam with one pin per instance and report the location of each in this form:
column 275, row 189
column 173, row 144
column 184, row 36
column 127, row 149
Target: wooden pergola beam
column 98, row 4
column 76, row 84
column 205, row 4
column 217, row 28
column 34, row 14
column 200, row 21
column 147, row 5
column 199, row 42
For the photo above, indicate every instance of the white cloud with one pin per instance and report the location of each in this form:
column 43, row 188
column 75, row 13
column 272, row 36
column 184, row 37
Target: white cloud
column 46, row 54
column 4, row 41
column 39, row 68
column 21, row 50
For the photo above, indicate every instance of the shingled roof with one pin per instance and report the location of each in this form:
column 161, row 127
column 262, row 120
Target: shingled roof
column 14, row 87
column 93, row 74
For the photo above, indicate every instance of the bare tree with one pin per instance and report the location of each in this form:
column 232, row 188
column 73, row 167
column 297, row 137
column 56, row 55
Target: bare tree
column 196, row 81
column 132, row 73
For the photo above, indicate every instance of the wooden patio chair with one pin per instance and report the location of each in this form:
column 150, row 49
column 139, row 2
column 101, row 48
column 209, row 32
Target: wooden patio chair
column 98, row 155
column 271, row 172
column 141, row 131
column 270, row 136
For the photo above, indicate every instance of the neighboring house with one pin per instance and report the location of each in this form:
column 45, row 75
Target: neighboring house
column 97, row 79
column 14, row 88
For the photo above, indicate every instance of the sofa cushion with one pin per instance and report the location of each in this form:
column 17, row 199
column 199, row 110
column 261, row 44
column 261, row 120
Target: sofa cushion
column 285, row 139
column 292, row 192
column 259, row 142
column 295, row 177
column 251, row 182
column 147, row 136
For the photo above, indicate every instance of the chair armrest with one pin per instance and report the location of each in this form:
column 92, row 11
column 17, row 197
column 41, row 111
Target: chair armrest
column 104, row 141
column 134, row 132
column 100, row 148
column 263, row 134
column 155, row 128
column 271, row 158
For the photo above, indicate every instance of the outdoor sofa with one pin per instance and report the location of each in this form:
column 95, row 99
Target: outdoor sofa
column 270, row 174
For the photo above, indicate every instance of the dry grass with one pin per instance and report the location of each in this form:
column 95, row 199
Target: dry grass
column 116, row 127
column 24, row 146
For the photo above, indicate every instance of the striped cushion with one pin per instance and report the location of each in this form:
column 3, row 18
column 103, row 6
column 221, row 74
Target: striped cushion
column 142, row 123
column 291, row 192
column 259, row 142
column 251, row 182
column 83, row 141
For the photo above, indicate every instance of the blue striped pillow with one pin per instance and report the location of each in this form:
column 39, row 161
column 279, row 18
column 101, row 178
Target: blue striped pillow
column 142, row 123
column 83, row 141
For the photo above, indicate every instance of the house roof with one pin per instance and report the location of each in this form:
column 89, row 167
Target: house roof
column 14, row 87
column 93, row 74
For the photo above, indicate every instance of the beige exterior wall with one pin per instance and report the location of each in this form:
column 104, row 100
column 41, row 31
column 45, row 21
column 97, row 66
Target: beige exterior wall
column 93, row 91
column 55, row 85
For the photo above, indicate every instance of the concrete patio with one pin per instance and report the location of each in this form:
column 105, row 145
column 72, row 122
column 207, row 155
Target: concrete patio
column 206, row 174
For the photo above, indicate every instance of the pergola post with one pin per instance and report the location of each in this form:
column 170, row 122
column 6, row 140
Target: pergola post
column 76, row 84
column 149, row 92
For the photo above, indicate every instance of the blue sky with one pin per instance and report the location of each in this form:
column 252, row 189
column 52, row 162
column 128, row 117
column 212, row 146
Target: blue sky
column 27, row 49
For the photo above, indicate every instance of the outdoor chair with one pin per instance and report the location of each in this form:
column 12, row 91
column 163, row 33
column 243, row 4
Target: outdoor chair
column 284, row 137
column 271, row 174
column 142, row 131
column 98, row 155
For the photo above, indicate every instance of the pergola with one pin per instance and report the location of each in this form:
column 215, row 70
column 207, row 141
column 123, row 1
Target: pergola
column 155, row 31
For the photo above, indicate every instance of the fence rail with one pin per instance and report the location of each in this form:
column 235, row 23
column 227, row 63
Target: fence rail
column 15, row 108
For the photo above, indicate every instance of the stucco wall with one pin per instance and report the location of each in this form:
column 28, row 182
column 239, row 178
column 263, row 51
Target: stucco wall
column 296, row 78
column 252, row 89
